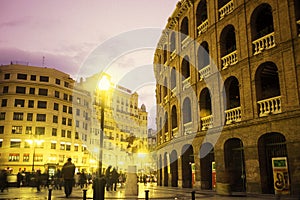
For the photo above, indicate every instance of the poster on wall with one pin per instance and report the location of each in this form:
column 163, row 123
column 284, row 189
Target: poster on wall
column 193, row 173
column 213, row 175
column 281, row 175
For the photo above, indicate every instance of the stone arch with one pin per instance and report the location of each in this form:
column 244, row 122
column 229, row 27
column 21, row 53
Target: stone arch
column 186, row 162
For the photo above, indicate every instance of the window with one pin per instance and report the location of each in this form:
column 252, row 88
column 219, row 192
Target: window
column 56, row 94
column 57, row 81
column 43, row 92
column 62, row 146
column 76, row 147
column 63, row 133
column 78, row 100
column 70, row 110
column 69, row 134
column 40, row 130
column 66, row 97
column 64, row 121
column 31, row 90
column 55, row 119
column 26, row 157
column 16, row 130
column 69, row 122
column 70, row 98
column 29, row 116
column 54, row 131
column 20, row 90
column 38, row 157
column 44, row 79
column 76, row 135
column 68, row 147
column 19, row 102
column 42, row 104
column 65, row 109
column 1, row 141
column 30, row 103
column 18, row 116
column 6, row 76
column 1, row 129
column 55, row 106
column 14, row 157
column 33, row 77
column 28, row 130
column 78, row 112
column 2, row 116
column 53, row 145
column 4, row 103
column 66, row 84
column 27, row 144
column 5, row 89
column 22, row 76
column 15, row 143
column 77, row 123
column 41, row 117
column 61, row 158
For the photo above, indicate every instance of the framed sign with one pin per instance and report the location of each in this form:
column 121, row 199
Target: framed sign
column 281, row 175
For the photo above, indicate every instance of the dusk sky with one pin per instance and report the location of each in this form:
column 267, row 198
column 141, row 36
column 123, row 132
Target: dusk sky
column 67, row 33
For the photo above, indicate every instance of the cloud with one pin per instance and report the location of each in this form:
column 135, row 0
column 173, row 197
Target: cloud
column 62, row 63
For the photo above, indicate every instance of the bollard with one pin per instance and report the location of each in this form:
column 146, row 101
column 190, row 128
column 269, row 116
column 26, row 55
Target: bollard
column 49, row 194
column 99, row 188
column 84, row 194
column 193, row 195
column 147, row 194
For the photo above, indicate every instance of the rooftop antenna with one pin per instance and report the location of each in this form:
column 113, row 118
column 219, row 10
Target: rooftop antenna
column 43, row 64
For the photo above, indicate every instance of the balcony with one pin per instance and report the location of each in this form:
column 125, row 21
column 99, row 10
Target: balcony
column 206, row 122
column 186, row 83
column 229, row 59
column 166, row 99
column 205, row 72
column 167, row 138
column 233, row 115
column 173, row 55
column 188, row 128
column 174, row 92
column 174, row 132
column 226, row 9
column 265, row 42
column 202, row 27
column 269, row 106
column 185, row 42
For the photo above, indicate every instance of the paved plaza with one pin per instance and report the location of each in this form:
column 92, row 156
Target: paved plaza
column 155, row 192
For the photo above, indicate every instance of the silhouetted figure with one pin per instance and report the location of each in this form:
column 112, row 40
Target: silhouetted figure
column 3, row 179
column 38, row 177
column 82, row 179
column 68, row 172
column 114, row 179
column 108, row 179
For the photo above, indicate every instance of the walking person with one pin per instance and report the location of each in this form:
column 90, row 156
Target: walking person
column 38, row 177
column 108, row 179
column 115, row 179
column 68, row 172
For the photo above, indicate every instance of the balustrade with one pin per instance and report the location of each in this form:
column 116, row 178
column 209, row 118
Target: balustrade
column 233, row 115
column 175, row 132
column 229, row 59
column 226, row 9
column 206, row 122
column 185, row 42
column 204, row 72
column 269, row 106
column 265, row 42
column 186, row 83
column 188, row 128
column 202, row 27
column 173, row 55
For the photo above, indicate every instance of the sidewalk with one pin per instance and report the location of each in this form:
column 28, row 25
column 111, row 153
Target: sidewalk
column 155, row 192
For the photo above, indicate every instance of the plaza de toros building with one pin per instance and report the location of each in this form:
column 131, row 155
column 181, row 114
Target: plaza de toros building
column 228, row 97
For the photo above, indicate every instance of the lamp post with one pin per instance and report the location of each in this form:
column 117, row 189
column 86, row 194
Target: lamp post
column 98, row 187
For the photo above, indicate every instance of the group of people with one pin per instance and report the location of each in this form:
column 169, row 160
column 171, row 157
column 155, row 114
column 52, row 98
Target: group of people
column 112, row 179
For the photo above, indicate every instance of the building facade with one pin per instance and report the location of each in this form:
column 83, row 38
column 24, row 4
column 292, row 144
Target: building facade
column 228, row 96
column 43, row 119
column 125, row 125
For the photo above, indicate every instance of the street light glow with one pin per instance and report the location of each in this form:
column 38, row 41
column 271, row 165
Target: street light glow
column 104, row 83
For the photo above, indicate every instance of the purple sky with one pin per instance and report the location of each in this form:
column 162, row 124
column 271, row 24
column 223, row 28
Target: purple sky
column 65, row 32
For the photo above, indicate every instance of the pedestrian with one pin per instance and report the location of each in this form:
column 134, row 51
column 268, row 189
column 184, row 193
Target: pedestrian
column 19, row 178
column 108, row 178
column 68, row 172
column 38, row 180
column 82, row 179
column 3, row 180
column 114, row 179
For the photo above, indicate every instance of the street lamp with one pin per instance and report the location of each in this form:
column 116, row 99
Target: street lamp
column 99, row 186
column 103, row 86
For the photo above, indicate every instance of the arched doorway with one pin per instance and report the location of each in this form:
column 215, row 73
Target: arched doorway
column 235, row 164
column 207, row 156
column 270, row 145
column 160, row 171
column 174, row 169
column 166, row 176
column 186, row 162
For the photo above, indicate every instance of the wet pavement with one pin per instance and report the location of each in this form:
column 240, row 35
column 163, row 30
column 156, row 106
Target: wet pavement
column 155, row 192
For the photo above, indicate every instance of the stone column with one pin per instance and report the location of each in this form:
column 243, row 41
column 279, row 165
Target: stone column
column 131, row 188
